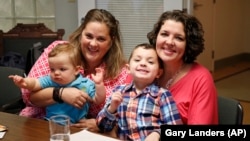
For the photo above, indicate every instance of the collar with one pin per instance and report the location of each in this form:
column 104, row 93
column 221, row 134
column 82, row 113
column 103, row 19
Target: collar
column 152, row 89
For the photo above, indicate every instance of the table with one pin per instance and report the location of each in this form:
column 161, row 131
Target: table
column 30, row 129
column 26, row 129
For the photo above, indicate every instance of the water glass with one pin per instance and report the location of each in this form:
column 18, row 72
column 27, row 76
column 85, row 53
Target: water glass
column 59, row 127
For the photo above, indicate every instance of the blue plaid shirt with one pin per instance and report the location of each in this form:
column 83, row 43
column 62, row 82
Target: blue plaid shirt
column 140, row 114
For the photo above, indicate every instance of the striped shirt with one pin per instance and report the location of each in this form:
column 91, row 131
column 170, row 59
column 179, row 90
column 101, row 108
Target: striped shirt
column 140, row 114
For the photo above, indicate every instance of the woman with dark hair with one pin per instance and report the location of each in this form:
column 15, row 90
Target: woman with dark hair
column 178, row 38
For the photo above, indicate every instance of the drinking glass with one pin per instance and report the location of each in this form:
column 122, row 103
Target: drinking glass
column 59, row 127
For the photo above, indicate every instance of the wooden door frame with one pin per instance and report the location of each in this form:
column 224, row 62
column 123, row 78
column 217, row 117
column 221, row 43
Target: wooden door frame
column 204, row 11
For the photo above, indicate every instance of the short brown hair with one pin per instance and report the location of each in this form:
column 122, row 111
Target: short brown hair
column 146, row 46
column 72, row 51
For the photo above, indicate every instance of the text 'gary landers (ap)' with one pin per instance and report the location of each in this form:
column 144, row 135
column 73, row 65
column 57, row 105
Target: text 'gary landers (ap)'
column 184, row 132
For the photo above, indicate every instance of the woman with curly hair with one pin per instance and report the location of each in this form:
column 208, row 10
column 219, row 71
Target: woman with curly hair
column 179, row 39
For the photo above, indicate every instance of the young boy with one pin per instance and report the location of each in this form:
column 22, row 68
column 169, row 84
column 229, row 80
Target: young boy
column 65, row 66
column 142, row 106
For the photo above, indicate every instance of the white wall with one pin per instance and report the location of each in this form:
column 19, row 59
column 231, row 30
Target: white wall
column 172, row 4
column 66, row 16
column 83, row 7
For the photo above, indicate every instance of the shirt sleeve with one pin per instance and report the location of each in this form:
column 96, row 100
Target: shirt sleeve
column 105, row 120
column 196, row 97
column 205, row 96
column 169, row 110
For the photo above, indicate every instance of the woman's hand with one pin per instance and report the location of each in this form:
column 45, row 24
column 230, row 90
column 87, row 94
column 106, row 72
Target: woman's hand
column 90, row 124
column 75, row 97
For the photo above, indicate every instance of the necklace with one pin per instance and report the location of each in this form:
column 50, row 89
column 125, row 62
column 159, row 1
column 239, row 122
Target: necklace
column 171, row 80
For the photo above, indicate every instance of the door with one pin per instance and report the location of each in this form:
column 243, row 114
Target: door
column 204, row 11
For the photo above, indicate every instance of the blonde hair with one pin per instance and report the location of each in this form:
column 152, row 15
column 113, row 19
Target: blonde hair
column 114, row 59
column 72, row 51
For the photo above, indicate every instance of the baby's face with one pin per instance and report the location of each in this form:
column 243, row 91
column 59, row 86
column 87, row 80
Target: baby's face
column 62, row 70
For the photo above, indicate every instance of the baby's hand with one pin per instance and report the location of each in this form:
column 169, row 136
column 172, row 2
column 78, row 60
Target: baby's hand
column 18, row 80
column 98, row 76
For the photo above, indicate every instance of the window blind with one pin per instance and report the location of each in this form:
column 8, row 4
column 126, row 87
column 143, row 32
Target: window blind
column 136, row 17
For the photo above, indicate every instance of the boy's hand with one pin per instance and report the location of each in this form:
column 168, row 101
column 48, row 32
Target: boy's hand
column 116, row 100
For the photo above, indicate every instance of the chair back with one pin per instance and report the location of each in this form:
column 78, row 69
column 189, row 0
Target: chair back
column 230, row 111
column 9, row 91
column 23, row 37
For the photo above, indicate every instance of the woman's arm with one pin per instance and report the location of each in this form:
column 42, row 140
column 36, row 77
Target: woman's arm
column 72, row 96
column 42, row 98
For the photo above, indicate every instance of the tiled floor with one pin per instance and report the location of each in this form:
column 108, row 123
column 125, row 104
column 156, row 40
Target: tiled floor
column 233, row 70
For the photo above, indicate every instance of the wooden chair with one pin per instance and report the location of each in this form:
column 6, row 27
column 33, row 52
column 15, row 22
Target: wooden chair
column 22, row 37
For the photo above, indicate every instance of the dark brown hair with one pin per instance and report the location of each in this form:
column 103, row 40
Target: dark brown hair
column 146, row 46
column 193, row 31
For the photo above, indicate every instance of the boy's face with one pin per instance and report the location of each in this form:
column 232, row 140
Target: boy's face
column 144, row 66
column 62, row 70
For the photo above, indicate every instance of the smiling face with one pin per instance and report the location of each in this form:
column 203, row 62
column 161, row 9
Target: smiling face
column 171, row 41
column 95, row 42
column 62, row 70
column 144, row 65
